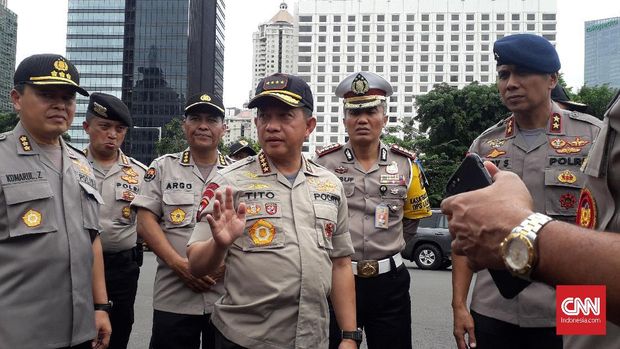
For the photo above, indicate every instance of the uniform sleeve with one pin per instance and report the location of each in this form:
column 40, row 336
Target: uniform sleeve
column 341, row 239
column 202, row 229
column 417, row 205
column 150, row 195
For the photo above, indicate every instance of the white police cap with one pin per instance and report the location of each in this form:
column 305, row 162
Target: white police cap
column 363, row 90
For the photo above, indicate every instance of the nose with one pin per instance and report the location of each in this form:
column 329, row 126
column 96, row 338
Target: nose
column 513, row 82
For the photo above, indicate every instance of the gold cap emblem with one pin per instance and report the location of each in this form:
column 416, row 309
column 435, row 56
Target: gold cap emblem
column 61, row 65
column 205, row 98
column 99, row 109
column 359, row 85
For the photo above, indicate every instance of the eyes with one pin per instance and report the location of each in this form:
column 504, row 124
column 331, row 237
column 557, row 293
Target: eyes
column 118, row 128
column 51, row 95
column 195, row 119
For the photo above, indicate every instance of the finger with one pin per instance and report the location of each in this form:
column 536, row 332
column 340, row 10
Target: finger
column 493, row 170
column 228, row 205
column 241, row 211
column 471, row 337
column 208, row 280
column 217, row 209
column 460, row 341
column 445, row 206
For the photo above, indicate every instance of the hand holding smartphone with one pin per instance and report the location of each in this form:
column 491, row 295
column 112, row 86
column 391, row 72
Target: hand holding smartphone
column 472, row 175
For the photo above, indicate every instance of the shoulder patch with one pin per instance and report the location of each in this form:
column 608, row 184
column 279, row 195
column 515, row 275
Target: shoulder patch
column 328, row 149
column 395, row 148
column 78, row 150
column 141, row 165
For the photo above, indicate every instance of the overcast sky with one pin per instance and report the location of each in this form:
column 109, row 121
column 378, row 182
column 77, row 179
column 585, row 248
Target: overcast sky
column 42, row 27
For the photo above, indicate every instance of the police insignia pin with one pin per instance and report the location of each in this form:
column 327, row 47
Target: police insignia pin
column 271, row 208
column 359, row 86
column 567, row 176
column 262, row 233
column 177, row 216
column 126, row 212
column 150, row 174
column 392, row 168
column 32, row 218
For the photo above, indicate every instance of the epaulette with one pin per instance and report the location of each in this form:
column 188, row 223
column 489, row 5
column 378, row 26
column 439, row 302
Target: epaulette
column 328, row 149
column 499, row 125
column 395, row 148
column 141, row 165
column 237, row 164
column 172, row 155
column 78, row 150
column 586, row 118
column 2, row 136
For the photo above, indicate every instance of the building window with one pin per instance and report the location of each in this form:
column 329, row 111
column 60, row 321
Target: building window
column 379, row 59
column 351, row 19
column 304, row 19
column 423, row 88
column 350, row 59
column 531, row 27
column 425, row 17
column 425, row 27
column 323, row 19
column 410, row 18
column 438, row 58
column 454, row 68
column 438, row 47
column 305, row 38
column 439, row 27
column 438, row 68
column 550, row 37
column 366, row 28
column 394, row 69
column 409, row 68
column 365, row 59
column 393, row 78
column 394, row 58
column 531, row 16
column 499, row 26
column 469, row 78
column 337, row 19
column 484, row 16
column 423, row 68
column 469, row 68
column 395, row 38
column 366, row 18
column 548, row 16
column 454, row 58
column 500, row 16
column 351, row 28
column 423, row 48
column 454, row 27
column 380, row 18
column 424, row 37
column 470, row 17
column 548, row 27
column 380, row 28
column 379, row 69
column 305, row 29
column 454, row 37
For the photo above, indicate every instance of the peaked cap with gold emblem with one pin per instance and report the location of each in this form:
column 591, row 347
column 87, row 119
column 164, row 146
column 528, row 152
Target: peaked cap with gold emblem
column 286, row 88
column 109, row 107
column 48, row 69
column 363, row 90
column 205, row 102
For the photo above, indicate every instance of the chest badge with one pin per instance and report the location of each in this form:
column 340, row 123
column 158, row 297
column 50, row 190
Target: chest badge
column 32, row 218
column 392, row 168
column 495, row 153
column 586, row 210
column 126, row 212
column 177, row 216
column 252, row 209
column 568, row 201
column 262, row 233
column 567, row 176
column 341, row 170
column 128, row 195
column 329, row 229
column 495, row 143
column 271, row 208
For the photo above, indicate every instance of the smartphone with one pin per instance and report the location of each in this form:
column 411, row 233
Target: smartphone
column 472, row 175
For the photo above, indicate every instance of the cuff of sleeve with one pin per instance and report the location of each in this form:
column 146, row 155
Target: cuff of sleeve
column 342, row 245
column 202, row 232
column 141, row 201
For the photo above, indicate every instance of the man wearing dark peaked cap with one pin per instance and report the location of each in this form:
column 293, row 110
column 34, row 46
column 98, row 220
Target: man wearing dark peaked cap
column 169, row 197
column 240, row 149
column 52, row 293
column 119, row 178
column 545, row 145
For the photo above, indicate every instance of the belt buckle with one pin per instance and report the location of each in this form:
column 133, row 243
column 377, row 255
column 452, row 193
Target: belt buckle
column 367, row 268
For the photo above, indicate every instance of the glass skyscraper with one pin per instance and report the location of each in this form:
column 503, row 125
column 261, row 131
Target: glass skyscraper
column 152, row 54
column 602, row 52
column 8, row 43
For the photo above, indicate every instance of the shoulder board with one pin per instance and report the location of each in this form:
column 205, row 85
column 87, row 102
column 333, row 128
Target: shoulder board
column 173, row 155
column 328, row 149
column 395, row 148
column 141, row 165
column 497, row 126
column 78, row 150
column 2, row 136
column 238, row 164
column 586, row 118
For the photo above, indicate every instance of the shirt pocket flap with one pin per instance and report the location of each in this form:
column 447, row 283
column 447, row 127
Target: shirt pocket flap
column 329, row 213
column 175, row 199
column 564, row 178
column 92, row 192
column 123, row 194
column 16, row 194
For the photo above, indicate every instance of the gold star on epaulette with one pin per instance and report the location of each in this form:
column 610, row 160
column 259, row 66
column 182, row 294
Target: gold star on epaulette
column 264, row 164
column 185, row 159
column 124, row 159
column 25, row 143
column 509, row 127
column 556, row 125
column 222, row 160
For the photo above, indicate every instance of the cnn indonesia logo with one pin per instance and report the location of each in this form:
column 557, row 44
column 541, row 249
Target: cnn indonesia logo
column 581, row 310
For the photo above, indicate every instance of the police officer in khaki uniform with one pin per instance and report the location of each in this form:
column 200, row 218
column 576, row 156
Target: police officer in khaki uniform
column 287, row 246
column 384, row 189
column 52, row 289
column 545, row 146
column 166, row 206
column 118, row 180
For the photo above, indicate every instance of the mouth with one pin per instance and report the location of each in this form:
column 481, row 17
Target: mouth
column 274, row 140
column 514, row 98
column 57, row 118
column 362, row 131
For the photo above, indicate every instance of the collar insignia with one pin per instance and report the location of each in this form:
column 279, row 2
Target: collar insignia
column 555, row 124
column 510, row 130
column 25, row 143
column 264, row 164
column 349, row 154
column 185, row 158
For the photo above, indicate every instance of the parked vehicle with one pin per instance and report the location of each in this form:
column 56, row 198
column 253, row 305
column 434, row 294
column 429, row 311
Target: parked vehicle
column 430, row 247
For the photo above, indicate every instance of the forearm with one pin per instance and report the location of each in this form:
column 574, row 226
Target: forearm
column 410, row 228
column 569, row 254
column 100, row 295
column 148, row 229
column 343, row 293
column 461, row 280
column 205, row 257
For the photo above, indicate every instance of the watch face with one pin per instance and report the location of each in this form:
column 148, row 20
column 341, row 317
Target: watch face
column 517, row 256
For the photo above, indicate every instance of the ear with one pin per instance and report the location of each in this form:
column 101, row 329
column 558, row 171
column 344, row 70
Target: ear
column 16, row 100
column 554, row 80
column 85, row 126
column 310, row 125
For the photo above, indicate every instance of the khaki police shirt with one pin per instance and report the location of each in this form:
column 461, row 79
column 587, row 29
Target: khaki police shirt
column 172, row 189
column 279, row 272
column 395, row 184
column 46, row 217
column 118, row 186
column 550, row 168
column 599, row 208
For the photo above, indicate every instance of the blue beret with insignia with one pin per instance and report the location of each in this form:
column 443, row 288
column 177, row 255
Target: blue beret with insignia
column 528, row 51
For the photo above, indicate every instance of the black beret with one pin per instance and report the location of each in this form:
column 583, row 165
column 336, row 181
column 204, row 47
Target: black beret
column 528, row 51
column 109, row 107
column 205, row 101
column 48, row 69
column 289, row 89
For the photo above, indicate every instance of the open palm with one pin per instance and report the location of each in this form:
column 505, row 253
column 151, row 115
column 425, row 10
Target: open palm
column 226, row 223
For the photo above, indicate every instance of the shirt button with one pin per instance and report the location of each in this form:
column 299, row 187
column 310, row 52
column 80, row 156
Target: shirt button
column 366, row 196
column 365, row 217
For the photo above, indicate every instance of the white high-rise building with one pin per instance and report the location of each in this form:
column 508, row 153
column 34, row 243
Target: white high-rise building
column 275, row 47
column 240, row 124
column 414, row 44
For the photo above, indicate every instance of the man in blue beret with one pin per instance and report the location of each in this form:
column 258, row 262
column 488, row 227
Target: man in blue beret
column 545, row 146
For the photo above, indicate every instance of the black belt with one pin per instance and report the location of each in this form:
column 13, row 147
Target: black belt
column 120, row 258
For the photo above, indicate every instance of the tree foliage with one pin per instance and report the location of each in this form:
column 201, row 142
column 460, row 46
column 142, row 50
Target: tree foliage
column 172, row 138
column 8, row 121
column 596, row 97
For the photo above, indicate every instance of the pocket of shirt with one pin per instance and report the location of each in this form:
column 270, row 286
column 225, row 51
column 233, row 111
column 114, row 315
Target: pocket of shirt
column 326, row 224
column 562, row 188
column 91, row 200
column 30, row 209
column 263, row 232
column 178, row 209
column 122, row 211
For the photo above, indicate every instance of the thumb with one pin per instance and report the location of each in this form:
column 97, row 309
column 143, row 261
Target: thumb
column 493, row 170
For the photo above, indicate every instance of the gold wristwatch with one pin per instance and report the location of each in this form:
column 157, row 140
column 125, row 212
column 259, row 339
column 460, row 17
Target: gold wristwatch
column 518, row 248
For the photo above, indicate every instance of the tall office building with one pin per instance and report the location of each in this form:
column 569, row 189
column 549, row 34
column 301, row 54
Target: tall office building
column 275, row 47
column 602, row 52
column 8, row 44
column 152, row 54
column 414, row 44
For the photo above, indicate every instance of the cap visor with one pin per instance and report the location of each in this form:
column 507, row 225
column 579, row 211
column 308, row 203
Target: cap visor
column 205, row 106
column 362, row 105
column 77, row 88
column 265, row 96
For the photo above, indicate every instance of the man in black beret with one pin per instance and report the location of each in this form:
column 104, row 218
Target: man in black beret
column 545, row 146
column 240, row 149
column 167, row 204
column 52, row 293
column 119, row 178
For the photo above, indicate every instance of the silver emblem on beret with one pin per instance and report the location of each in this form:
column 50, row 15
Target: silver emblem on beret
column 99, row 109
column 359, row 85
